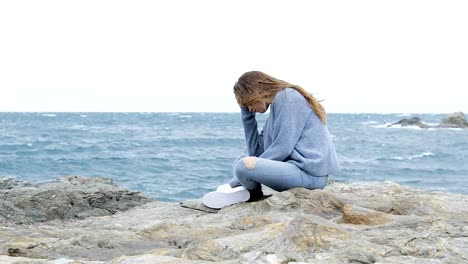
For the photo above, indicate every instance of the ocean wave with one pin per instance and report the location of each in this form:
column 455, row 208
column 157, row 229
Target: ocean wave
column 49, row 115
column 447, row 128
column 368, row 122
column 386, row 125
column 397, row 126
column 15, row 146
column 108, row 158
column 356, row 160
column 412, row 157
column 391, row 125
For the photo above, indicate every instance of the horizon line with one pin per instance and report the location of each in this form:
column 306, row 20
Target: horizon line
column 216, row 112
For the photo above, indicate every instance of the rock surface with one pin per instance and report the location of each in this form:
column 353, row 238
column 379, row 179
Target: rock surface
column 413, row 121
column 65, row 198
column 372, row 222
column 454, row 120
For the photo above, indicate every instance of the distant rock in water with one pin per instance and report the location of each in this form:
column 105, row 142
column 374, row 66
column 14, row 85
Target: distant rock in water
column 455, row 120
column 413, row 121
column 71, row 197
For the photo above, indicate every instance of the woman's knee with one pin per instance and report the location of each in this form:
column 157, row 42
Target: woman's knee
column 249, row 162
column 243, row 168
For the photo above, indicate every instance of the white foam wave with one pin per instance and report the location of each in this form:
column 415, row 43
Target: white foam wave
column 422, row 155
column 369, row 122
column 390, row 125
column 357, row 160
column 383, row 126
column 446, row 128
column 405, row 114
column 83, row 115
column 398, row 126
column 51, row 115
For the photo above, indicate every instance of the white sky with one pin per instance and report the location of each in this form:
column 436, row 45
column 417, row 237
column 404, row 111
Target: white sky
column 177, row 56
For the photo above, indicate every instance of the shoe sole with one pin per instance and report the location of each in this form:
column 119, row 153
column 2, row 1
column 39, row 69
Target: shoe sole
column 218, row 200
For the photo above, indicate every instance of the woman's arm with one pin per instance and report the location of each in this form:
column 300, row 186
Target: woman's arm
column 290, row 114
column 253, row 139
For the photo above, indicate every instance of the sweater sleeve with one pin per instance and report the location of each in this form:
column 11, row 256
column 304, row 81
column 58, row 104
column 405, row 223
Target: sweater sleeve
column 253, row 139
column 291, row 113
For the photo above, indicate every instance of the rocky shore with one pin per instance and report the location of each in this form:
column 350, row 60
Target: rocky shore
column 91, row 220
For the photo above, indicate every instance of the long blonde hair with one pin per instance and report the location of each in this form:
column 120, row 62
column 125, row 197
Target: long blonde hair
column 256, row 86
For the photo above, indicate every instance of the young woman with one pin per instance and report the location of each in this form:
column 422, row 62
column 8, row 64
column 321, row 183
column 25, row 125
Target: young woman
column 294, row 149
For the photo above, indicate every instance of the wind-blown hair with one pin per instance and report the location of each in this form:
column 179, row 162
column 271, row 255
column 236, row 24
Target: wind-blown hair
column 257, row 86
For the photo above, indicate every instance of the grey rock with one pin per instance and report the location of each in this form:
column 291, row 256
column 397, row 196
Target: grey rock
column 7, row 183
column 306, row 235
column 367, row 222
column 66, row 198
column 454, row 120
column 413, row 121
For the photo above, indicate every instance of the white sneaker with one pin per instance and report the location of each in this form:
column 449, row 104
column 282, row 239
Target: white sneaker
column 225, row 197
column 223, row 186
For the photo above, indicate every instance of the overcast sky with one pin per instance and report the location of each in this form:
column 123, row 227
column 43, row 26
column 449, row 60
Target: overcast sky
column 183, row 56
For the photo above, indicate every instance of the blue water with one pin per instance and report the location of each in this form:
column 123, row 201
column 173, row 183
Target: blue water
column 179, row 156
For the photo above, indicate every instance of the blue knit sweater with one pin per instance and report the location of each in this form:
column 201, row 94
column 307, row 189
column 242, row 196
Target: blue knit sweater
column 292, row 133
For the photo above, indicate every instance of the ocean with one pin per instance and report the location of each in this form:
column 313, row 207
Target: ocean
column 180, row 156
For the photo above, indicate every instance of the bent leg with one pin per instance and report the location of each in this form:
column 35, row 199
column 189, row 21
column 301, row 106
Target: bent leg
column 234, row 182
column 280, row 176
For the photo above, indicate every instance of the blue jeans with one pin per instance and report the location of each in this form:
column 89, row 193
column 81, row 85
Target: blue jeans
column 278, row 175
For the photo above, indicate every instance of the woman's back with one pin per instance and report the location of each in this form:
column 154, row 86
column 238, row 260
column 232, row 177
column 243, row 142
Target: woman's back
column 295, row 130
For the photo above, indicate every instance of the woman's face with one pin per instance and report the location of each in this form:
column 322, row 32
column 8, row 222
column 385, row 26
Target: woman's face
column 259, row 107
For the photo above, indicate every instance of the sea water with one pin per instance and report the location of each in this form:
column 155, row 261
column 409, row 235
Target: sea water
column 179, row 156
